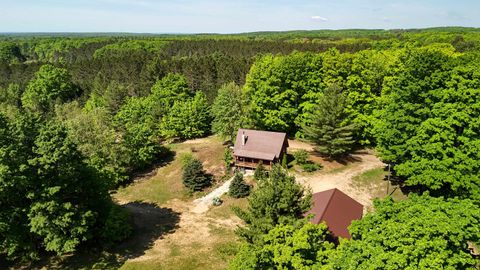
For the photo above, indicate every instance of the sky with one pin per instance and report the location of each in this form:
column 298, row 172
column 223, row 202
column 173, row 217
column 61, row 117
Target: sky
column 215, row 16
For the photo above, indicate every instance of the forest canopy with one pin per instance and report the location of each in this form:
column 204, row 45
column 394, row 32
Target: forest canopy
column 82, row 115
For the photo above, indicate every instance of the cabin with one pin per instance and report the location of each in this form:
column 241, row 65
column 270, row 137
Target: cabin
column 336, row 209
column 255, row 146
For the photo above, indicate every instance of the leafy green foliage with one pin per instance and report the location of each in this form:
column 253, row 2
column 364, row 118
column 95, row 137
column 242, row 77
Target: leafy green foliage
column 227, row 158
column 193, row 176
column 188, row 119
column 9, row 53
column 284, row 162
column 421, row 232
column 62, row 213
column 311, row 167
column 11, row 95
column 301, row 156
column 238, row 187
column 287, row 247
column 276, row 88
column 327, row 126
column 229, row 113
column 51, row 85
column 56, row 201
column 93, row 133
column 429, row 128
column 117, row 226
column 278, row 199
column 260, row 172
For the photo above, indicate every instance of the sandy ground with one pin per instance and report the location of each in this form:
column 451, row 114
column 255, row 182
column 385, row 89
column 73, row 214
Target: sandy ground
column 193, row 227
column 342, row 179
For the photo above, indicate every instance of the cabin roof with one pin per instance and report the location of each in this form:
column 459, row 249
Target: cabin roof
column 337, row 209
column 265, row 145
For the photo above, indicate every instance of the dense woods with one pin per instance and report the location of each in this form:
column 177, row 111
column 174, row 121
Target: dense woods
column 81, row 115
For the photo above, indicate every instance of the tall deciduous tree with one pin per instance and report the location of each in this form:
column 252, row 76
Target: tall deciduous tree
column 229, row 113
column 429, row 127
column 421, row 232
column 49, row 86
column 327, row 128
column 278, row 199
column 188, row 119
column 287, row 247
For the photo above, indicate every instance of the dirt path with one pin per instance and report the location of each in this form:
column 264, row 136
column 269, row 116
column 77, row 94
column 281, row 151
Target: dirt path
column 342, row 179
column 201, row 205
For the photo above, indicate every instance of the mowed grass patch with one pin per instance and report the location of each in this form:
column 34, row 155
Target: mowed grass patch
column 375, row 182
column 167, row 184
column 225, row 210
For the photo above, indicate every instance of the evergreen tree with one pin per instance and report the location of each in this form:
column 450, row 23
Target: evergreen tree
column 193, row 177
column 328, row 128
column 279, row 199
column 238, row 187
column 260, row 172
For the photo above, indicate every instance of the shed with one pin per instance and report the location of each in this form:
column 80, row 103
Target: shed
column 337, row 209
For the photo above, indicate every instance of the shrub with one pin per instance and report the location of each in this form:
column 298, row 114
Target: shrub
column 117, row 226
column 260, row 172
column 238, row 187
column 227, row 158
column 284, row 161
column 194, row 178
column 301, row 156
column 311, row 167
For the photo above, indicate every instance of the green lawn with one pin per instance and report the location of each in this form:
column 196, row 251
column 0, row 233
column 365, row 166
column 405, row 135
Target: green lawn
column 375, row 180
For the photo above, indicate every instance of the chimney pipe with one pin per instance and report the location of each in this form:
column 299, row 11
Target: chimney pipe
column 244, row 138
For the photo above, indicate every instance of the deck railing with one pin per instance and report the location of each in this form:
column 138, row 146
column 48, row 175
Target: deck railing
column 249, row 164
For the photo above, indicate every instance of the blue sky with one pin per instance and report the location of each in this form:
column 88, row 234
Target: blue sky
column 189, row 16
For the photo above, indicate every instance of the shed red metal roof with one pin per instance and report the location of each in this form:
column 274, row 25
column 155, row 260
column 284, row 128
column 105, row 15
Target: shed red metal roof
column 337, row 209
column 259, row 144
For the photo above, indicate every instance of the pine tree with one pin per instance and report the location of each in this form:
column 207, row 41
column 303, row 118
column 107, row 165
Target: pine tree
column 194, row 177
column 238, row 187
column 328, row 128
column 278, row 199
column 260, row 172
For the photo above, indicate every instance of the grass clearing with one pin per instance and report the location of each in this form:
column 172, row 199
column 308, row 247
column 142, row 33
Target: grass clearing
column 375, row 180
column 167, row 184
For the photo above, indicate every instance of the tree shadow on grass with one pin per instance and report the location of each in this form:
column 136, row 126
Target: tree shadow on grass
column 150, row 223
column 165, row 158
column 344, row 160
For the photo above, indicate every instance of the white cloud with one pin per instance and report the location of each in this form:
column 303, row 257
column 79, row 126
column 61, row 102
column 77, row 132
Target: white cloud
column 319, row 18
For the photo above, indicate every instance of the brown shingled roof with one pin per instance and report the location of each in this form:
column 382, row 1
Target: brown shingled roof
column 337, row 209
column 259, row 144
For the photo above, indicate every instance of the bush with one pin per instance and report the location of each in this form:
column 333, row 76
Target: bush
column 260, row 172
column 301, row 156
column 284, row 161
column 117, row 226
column 194, row 178
column 238, row 187
column 227, row 158
column 311, row 167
